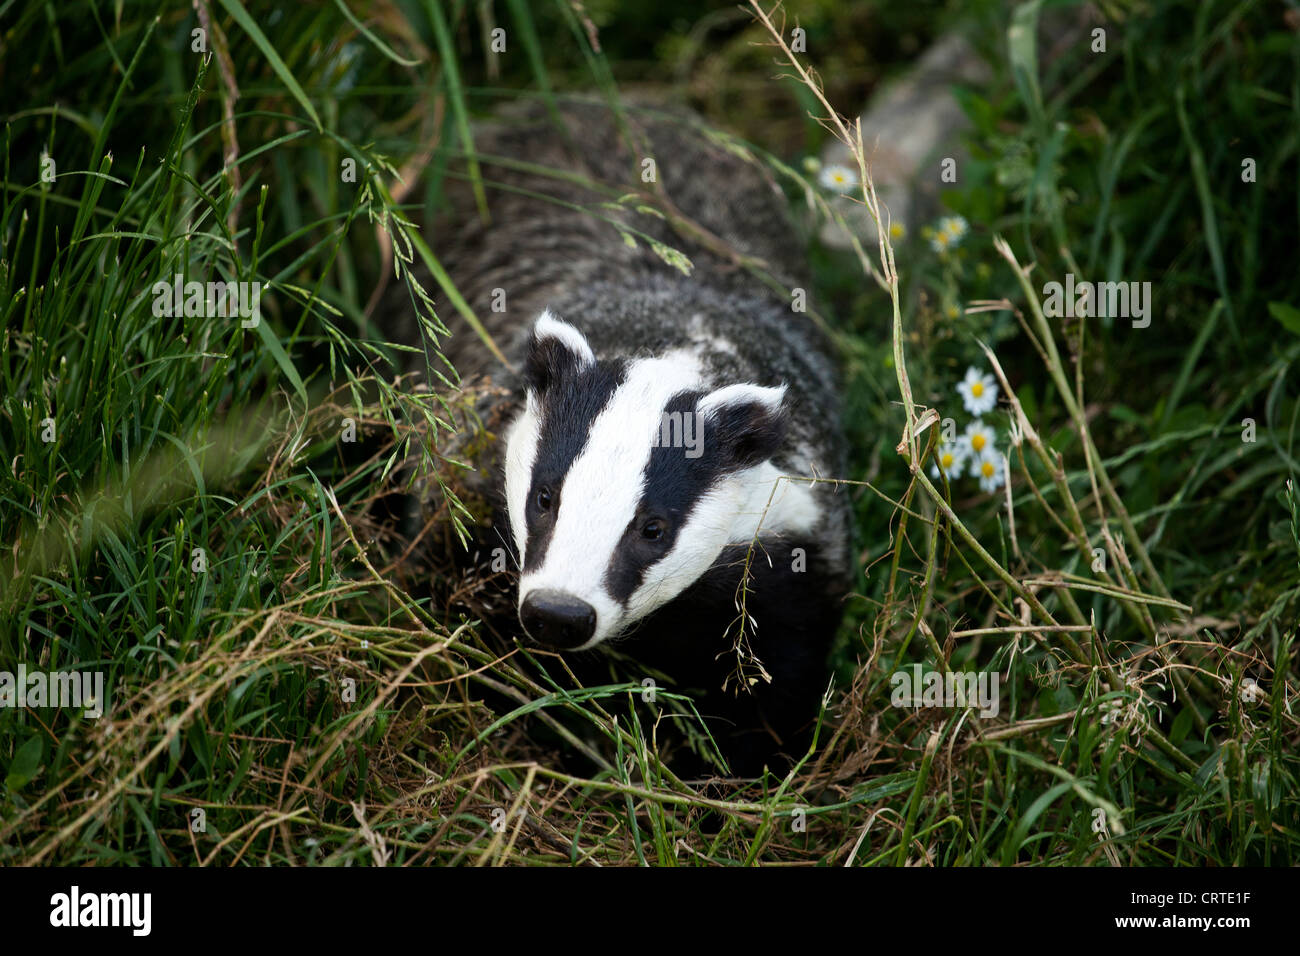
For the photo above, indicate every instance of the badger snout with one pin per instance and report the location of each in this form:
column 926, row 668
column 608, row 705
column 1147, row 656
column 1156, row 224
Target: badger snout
column 557, row 619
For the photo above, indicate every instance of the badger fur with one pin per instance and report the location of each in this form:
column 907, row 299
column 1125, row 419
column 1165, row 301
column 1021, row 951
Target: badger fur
column 656, row 473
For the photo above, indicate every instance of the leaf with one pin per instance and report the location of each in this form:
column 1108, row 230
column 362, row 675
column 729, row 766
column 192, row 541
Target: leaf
column 444, row 281
column 672, row 257
column 282, row 359
column 456, row 96
column 25, row 763
column 1182, row 724
column 1288, row 315
column 1022, row 46
column 377, row 43
column 1123, row 413
column 236, row 10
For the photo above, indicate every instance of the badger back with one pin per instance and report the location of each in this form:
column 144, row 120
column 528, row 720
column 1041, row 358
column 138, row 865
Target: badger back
column 555, row 224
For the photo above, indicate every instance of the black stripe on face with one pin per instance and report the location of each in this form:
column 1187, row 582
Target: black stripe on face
column 740, row 434
column 567, row 409
column 674, row 483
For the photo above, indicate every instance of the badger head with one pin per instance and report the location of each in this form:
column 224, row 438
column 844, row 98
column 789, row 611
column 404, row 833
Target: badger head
column 626, row 479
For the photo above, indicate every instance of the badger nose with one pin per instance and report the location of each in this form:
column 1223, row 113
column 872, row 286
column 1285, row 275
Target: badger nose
column 557, row 619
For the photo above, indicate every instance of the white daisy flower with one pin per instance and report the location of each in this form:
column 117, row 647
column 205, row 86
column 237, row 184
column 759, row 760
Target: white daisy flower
column 955, row 228
column 979, row 393
column 838, row 178
column 952, row 457
column 988, row 469
column 978, row 439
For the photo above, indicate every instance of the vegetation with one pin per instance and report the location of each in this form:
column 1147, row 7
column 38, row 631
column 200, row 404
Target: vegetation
column 182, row 512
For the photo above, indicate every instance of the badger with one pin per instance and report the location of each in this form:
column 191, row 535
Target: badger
column 665, row 483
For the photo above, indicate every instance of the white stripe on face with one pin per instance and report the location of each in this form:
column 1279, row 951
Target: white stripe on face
column 521, row 452
column 604, row 485
column 733, row 511
column 525, row 433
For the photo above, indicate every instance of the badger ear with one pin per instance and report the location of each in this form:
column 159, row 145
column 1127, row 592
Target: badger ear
column 555, row 350
column 745, row 424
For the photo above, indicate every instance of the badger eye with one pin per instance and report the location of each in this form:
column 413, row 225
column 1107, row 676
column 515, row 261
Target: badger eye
column 653, row 530
column 543, row 499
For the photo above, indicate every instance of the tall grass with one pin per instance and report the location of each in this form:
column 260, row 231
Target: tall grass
column 288, row 682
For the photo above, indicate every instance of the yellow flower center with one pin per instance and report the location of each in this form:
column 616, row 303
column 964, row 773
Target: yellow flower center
column 978, row 441
column 987, row 469
column 947, row 460
column 977, row 389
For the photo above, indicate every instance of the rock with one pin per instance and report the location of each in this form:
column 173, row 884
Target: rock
column 909, row 128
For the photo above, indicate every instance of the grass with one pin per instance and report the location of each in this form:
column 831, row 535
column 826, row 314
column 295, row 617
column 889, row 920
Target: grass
column 291, row 681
